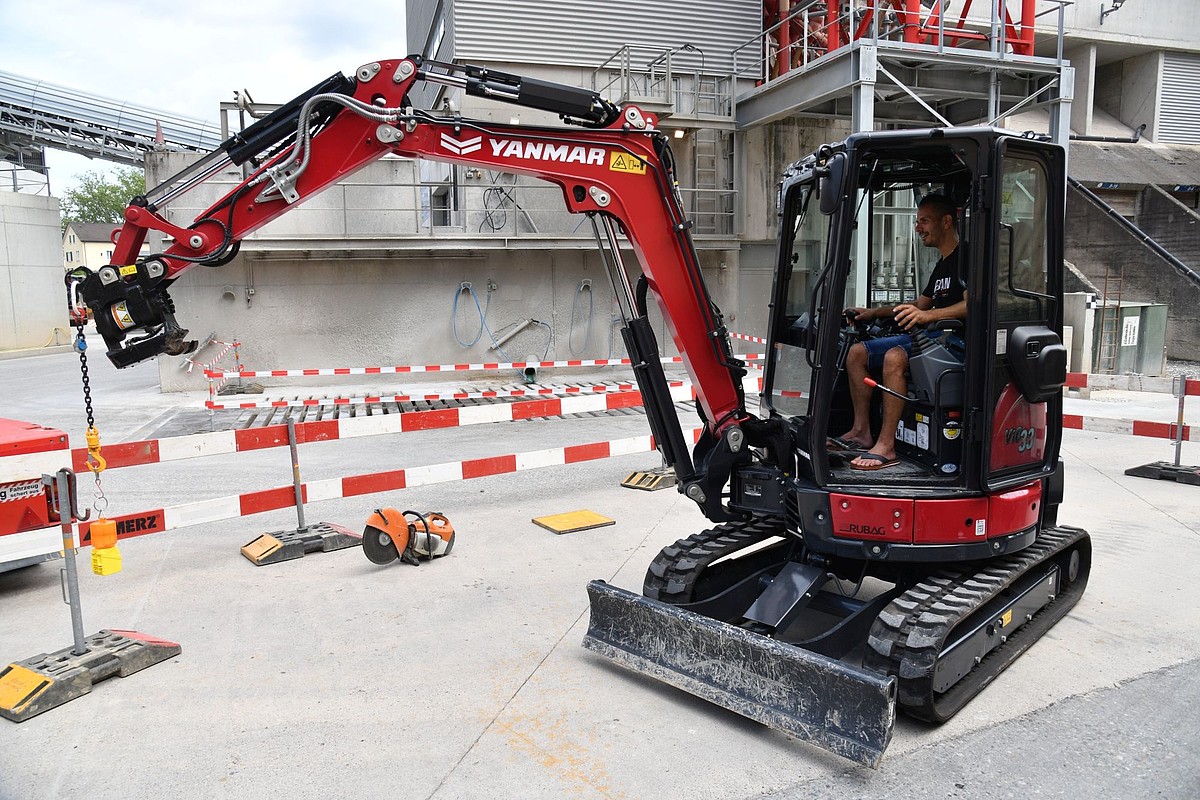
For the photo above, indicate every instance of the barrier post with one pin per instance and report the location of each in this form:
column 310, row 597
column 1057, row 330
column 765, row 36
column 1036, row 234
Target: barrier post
column 1179, row 389
column 291, row 426
column 63, row 497
column 276, row 546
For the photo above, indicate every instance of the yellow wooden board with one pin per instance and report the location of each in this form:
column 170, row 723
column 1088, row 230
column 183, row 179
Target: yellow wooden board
column 573, row 521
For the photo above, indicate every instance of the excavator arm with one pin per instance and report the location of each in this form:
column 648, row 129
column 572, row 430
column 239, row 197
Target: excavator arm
column 614, row 166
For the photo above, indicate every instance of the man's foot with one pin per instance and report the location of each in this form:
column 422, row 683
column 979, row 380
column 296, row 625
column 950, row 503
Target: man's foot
column 869, row 462
column 849, row 441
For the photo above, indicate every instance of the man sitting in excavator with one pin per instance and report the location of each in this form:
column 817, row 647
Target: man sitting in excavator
column 944, row 297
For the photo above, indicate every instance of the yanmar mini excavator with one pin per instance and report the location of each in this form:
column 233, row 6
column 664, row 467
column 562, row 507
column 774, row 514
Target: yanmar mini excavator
column 823, row 597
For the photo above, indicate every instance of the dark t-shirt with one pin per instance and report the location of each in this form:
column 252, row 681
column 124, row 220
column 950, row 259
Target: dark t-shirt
column 945, row 287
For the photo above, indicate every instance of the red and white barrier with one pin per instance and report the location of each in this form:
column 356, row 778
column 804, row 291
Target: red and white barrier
column 235, row 506
column 1130, row 383
column 178, row 448
column 745, row 338
column 1129, row 427
column 426, row 368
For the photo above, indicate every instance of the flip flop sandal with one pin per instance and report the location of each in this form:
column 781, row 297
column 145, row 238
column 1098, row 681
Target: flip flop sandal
column 880, row 462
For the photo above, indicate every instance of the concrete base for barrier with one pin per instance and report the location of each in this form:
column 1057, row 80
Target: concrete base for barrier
column 29, row 687
column 1163, row 470
column 271, row 548
column 650, row 480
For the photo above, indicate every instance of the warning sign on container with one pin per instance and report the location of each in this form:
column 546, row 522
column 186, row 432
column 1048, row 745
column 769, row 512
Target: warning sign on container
column 1129, row 332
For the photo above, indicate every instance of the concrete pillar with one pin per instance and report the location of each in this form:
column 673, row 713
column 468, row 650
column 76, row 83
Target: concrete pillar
column 1083, row 60
column 1060, row 111
column 862, row 114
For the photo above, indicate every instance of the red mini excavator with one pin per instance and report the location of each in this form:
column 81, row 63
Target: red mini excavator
column 824, row 596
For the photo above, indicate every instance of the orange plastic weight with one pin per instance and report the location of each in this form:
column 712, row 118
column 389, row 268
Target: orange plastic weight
column 104, row 533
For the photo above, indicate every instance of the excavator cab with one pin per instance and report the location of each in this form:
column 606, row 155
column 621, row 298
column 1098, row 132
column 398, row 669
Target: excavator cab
column 847, row 240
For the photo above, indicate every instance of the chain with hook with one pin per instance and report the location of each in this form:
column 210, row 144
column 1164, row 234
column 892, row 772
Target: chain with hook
column 95, row 461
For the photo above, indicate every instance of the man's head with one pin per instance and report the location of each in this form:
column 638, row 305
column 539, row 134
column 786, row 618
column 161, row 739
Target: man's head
column 936, row 216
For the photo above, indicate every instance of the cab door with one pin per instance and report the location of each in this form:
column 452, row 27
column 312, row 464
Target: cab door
column 1026, row 358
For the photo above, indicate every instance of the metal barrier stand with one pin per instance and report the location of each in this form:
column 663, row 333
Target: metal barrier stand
column 47, row 680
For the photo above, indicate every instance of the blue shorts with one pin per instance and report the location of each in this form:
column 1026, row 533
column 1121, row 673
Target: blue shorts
column 876, row 348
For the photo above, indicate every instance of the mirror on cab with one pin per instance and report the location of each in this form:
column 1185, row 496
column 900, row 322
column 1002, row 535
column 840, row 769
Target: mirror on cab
column 831, row 183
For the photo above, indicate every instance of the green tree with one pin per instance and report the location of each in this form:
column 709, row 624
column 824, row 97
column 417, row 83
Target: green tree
column 96, row 197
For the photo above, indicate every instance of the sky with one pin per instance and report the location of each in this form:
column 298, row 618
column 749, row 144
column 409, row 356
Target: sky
column 190, row 57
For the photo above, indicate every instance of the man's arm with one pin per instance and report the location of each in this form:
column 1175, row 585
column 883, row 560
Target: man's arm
column 878, row 312
column 923, row 313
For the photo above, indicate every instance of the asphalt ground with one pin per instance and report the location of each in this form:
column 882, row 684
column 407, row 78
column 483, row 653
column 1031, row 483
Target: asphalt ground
column 464, row 678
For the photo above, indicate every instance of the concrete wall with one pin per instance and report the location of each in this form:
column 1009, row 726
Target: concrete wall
column 337, row 284
column 1129, row 90
column 356, row 312
column 32, row 297
column 1094, row 243
column 1169, row 24
column 766, row 151
column 1170, row 223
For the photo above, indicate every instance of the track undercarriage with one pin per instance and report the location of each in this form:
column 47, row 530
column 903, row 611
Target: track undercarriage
column 742, row 615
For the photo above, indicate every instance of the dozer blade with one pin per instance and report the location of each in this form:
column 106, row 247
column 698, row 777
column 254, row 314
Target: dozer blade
column 846, row 710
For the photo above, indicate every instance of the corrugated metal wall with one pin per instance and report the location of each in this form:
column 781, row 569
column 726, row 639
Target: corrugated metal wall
column 1178, row 113
column 587, row 32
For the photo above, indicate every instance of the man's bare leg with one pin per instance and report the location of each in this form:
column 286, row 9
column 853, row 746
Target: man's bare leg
column 895, row 361
column 860, row 397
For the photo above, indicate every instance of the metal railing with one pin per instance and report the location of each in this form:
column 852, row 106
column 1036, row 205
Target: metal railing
column 23, row 181
column 814, row 30
column 652, row 76
column 479, row 204
column 710, row 210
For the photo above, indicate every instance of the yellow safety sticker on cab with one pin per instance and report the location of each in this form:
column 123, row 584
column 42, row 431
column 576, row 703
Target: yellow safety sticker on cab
column 127, row 271
column 624, row 162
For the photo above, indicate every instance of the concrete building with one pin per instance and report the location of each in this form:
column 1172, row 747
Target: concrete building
column 1133, row 230
column 33, row 308
column 421, row 253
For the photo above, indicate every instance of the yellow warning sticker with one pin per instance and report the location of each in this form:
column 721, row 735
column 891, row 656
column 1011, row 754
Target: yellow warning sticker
column 120, row 313
column 127, row 271
column 1006, row 619
column 624, row 162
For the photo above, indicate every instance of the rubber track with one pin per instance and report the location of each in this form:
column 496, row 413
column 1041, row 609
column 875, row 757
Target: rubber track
column 907, row 636
column 672, row 576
